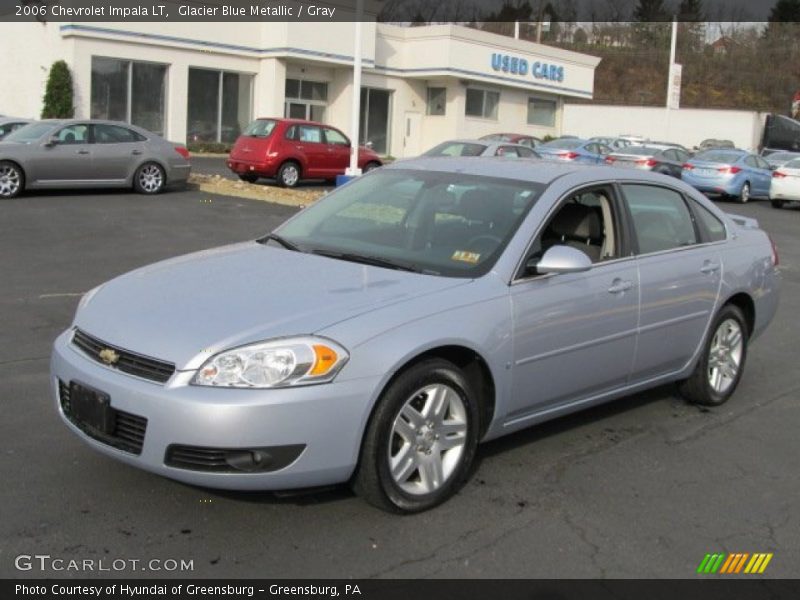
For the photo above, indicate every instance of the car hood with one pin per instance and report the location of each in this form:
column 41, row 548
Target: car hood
column 217, row 299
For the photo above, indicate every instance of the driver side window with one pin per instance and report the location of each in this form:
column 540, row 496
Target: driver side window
column 585, row 220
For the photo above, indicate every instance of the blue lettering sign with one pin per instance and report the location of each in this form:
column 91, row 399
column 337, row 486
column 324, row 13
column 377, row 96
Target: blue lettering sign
column 517, row 65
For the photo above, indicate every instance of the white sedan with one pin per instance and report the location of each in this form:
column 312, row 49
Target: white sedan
column 785, row 185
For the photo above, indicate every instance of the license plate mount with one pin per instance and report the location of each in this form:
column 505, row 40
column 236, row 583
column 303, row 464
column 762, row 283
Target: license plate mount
column 92, row 408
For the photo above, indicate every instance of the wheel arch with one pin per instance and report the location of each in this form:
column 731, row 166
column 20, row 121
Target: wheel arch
column 744, row 302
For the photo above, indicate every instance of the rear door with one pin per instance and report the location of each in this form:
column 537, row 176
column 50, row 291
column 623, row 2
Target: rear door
column 118, row 150
column 679, row 275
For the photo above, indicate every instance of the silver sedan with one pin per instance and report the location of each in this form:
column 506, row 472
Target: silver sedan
column 482, row 147
column 378, row 336
column 54, row 154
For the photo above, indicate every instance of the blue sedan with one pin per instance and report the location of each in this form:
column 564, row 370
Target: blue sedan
column 732, row 173
column 575, row 150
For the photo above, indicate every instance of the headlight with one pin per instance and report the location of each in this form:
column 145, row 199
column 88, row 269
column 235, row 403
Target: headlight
column 277, row 363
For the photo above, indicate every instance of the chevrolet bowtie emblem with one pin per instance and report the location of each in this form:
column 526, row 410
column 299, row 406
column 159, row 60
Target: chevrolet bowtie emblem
column 108, row 356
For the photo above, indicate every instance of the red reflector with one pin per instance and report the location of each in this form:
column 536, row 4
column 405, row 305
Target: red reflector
column 778, row 175
column 688, row 167
column 775, row 259
column 610, row 159
column 183, row 152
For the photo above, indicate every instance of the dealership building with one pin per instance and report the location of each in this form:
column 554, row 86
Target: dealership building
column 205, row 81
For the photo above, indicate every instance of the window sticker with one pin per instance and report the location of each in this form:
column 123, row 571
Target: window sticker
column 464, row 256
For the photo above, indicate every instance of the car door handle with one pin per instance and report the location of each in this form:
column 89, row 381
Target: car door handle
column 709, row 267
column 136, row 152
column 618, row 286
column 83, row 152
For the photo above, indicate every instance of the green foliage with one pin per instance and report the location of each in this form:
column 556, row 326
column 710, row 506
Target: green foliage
column 58, row 95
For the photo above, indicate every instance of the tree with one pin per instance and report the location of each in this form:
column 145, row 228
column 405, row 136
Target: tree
column 691, row 29
column 58, row 95
column 651, row 31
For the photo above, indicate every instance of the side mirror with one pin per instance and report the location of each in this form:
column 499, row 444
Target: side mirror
column 52, row 141
column 368, row 145
column 564, row 259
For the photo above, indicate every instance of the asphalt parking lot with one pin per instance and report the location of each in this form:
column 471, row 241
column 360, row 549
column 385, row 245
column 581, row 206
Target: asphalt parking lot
column 643, row 487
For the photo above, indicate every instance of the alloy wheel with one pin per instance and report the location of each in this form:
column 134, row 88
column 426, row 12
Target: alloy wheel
column 428, row 439
column 290, row 175
column 725, row 355
column 9, row 181
column 151, row 178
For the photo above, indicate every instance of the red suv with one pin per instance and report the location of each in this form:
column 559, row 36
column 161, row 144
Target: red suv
column 290, row 150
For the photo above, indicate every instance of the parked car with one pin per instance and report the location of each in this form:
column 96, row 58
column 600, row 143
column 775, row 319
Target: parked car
column 515, row 138
column 780, row 158
column 713, row 143
column 612, row 142
column 481, row 148
column 9, row 124
column 380, row 334
column 666, row 160
column 633, row 139
column 78, row 153
column 731, row 173
column 290, row 150
column 785, row 185
column 575, row 150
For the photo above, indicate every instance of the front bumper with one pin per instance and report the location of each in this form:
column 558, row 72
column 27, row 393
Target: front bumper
column 327, row 419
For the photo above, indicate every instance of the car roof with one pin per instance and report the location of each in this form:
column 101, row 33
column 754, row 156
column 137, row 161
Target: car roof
column 296, row 121
column 14, row 120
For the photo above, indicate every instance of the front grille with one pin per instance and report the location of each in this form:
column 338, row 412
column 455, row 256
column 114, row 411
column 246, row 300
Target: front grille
column 232, row 460
column 127, row 435
column 128, row 362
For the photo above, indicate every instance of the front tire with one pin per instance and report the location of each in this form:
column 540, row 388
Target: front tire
column 12, row 180
column 149, row 179
column 289, row 174
column 420, row 441
column 744, row 193
column 720, row 367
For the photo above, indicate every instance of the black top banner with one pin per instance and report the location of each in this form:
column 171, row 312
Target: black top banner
column 397, row 11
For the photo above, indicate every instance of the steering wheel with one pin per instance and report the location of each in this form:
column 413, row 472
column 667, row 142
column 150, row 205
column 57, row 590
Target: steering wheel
column 483, row 239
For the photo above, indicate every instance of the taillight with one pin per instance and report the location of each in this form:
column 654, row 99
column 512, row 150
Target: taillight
column 775, row 260
column 650, row 162
column 687, row 167
column 183, row 152
column 568, row 155
column 729, row 170
column 778, row 175
column 610, row 160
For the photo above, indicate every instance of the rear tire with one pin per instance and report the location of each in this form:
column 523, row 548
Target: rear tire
column 289, row 174
column 777, row 203
column 744, row 193
column 370, row 166
column 420, row 441
column 12, row 180
column 149, row 179
column 721, row 364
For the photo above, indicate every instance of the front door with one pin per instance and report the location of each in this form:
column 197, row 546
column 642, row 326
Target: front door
column 412, row 134
column 67, row 157
column 575, row 334
column 374, row 121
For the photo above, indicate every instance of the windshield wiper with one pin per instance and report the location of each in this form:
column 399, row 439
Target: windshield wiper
column 375, row 261
column 281, row 240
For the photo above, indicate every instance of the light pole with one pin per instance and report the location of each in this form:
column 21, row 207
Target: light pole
column 356, row 107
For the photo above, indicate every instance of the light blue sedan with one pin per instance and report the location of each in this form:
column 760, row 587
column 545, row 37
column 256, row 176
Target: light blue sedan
column 378, row 336
column 575, row 150
column 732, row 173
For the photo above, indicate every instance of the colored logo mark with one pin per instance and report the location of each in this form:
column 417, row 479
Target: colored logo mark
column 735, row 563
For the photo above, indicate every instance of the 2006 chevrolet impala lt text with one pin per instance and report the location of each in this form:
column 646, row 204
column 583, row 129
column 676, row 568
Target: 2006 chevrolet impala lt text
column 378, row 336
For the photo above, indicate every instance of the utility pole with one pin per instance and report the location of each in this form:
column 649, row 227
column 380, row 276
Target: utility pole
column 356, row 106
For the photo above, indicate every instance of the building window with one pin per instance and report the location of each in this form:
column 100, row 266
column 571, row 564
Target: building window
column 306, row 99
column 541, row 112
column 124, row 90
column 482, row 103
column 437, row 100
column 219, row 106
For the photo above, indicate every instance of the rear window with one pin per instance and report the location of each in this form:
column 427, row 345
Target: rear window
column 456, row 149
column 563, row 144
column 640, row 150
column 261, row 128
column 719, row 157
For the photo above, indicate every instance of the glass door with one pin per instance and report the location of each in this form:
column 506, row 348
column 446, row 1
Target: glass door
column 374, row 121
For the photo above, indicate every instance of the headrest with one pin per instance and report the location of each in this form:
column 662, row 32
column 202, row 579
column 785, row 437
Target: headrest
column 478, row 205
column 577, row 221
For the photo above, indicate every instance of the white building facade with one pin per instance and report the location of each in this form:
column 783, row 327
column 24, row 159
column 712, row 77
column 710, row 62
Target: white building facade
column 205, row 81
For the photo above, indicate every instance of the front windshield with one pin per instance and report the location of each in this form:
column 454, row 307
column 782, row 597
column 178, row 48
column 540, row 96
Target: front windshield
column 456, row 149
column 260, row 128
column 448, row 224
column 29, row 133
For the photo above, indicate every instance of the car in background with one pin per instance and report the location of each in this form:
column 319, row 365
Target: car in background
column 666, row 160
column 712, row 143
column 785, row 185
column 481, row 147
column 612, row 142
column 368, row 340
column 77, row 153
column 514, row 138
column 290, row 150
column 779, row 158
column 575, row 150
column 9, row 124
column 633, row 139
column 732, row 173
